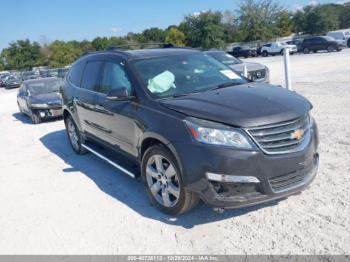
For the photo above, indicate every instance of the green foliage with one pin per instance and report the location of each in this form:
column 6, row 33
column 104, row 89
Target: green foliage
column 284, row 24
column 153, row 34
column 21, row 54
column 62, row 53
column 259, row 19
column 319, row 19
column 175, row 36
column 204, row 30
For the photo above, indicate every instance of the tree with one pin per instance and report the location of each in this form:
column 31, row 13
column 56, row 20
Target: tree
column 21, row 54
column 62, row 54
column 284, row 23
column 204, row 29
column 100, row 43
column 153, row 34
column 318, row 19
column 175, row 36
column 258, row 19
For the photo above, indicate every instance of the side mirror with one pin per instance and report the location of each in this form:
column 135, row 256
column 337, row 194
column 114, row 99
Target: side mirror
column 118, row 94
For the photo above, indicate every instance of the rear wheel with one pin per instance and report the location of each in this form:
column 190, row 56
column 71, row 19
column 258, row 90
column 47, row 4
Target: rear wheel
column 74, row 136
column 163, row 181
column 330, row 48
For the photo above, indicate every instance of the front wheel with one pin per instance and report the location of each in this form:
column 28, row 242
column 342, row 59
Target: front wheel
column 265, row 54
column 163, row 181
column 36, row 119
column 306, row 50
column 74, row 136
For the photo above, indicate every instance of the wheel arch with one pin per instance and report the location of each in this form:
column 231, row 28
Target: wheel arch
column 150, row 138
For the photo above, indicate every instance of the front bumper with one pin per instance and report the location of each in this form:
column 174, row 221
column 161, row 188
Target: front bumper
column 47, row 113
column 279, row 175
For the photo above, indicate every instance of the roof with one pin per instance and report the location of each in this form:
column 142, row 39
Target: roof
column 159, row 52
column 144, row 53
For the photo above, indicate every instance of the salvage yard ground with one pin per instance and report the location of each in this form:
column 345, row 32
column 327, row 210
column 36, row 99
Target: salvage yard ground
column 55, row 202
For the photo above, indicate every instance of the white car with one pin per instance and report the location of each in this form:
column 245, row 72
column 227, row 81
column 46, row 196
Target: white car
column 342, row 37
column 277, row 48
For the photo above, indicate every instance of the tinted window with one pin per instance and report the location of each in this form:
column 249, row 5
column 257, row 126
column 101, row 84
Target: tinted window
column 92, row 75
column 75, row 74
column 114, row 76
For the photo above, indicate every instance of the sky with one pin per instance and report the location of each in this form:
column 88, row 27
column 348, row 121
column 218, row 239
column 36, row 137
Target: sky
column 43, row 20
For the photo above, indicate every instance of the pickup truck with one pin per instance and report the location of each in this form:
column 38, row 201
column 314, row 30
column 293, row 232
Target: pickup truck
column 277, row 48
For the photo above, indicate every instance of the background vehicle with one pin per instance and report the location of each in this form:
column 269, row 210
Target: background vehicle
column 297, row 42
column 40, row 99
column 342, row 37
column 256, row 72
column 319, row 43
column 12, row 82
column 27, row 75
column 192, row 125
column 246, row 52
column 3, row 78
column 276, row 48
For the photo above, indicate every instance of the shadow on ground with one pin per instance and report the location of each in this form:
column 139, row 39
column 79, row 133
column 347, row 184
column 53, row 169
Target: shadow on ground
column 129, row 191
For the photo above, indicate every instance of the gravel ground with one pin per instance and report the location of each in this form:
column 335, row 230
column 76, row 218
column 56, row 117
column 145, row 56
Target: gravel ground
column 55, row 202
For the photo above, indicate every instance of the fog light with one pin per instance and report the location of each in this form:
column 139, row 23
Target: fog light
column 232, row 179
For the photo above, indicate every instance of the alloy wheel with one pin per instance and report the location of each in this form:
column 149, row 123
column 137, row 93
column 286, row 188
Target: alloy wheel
column 73, row 136
column 163, row 181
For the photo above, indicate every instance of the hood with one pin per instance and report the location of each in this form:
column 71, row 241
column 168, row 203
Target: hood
column 250, row 67
column 49, row 98
column 248, row 105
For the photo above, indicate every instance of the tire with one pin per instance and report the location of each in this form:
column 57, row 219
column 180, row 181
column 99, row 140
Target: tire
column 36, row 119
column 163, row 181
column 20, row 109
column 74, row 136
column 264, row 53
column 306, row 50
column 331, row 48
column 348, row 43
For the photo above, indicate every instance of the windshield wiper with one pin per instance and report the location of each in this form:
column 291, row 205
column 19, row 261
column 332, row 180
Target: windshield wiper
column 227, row 84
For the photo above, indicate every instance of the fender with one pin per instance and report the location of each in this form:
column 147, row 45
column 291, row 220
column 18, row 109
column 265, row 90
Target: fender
column 170, row 146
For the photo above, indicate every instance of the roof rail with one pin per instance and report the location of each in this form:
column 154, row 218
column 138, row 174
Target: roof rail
column 140, row 46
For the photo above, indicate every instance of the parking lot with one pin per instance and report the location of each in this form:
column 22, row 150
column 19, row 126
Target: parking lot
column 55, row 202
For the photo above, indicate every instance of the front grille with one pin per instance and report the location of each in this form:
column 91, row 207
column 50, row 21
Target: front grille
column 282, row 138
column 281, row 183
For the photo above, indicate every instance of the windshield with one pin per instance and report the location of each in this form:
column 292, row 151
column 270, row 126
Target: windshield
column 45, row 87
column 225, row 58
column 184, row 74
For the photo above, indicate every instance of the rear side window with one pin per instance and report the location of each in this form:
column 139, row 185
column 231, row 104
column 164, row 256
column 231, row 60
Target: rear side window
column 75, row 72
column 92, row 75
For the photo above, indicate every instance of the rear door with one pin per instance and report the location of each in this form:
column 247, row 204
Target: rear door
column 117, row 117
column 86, row 97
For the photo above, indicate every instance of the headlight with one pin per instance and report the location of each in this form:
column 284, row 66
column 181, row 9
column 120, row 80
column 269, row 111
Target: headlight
column 212, row 133
column 39, row 105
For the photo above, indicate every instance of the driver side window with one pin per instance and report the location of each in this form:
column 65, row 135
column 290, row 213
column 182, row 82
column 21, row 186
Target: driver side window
column 114, row 76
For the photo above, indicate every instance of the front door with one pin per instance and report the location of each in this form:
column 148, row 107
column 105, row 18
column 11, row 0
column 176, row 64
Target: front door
column 117, row 117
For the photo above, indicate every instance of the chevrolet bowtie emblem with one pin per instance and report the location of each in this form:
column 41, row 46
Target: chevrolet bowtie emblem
column 297, row 134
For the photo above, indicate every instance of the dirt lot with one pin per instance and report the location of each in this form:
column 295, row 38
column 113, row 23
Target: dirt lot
column 54, row 202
